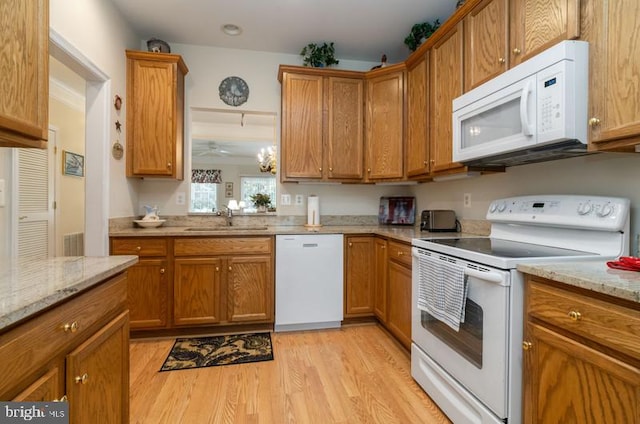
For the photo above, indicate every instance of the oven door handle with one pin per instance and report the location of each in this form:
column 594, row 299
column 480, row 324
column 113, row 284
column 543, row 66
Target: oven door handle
column 491, row 276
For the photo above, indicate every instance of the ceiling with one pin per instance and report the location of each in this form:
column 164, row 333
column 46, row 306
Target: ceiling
column 361, row 29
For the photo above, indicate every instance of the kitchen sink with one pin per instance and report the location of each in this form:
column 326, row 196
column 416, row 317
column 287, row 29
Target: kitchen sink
column 231, row 228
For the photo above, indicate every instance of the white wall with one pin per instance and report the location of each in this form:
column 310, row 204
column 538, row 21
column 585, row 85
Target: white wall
column 604, row 174
column 97, row 29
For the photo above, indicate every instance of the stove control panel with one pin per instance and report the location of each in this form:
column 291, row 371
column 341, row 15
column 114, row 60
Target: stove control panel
column 569, row 211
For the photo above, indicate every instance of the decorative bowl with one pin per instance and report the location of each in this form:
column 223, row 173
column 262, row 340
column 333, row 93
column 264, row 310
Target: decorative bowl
column 149, row 223
column 158, row 46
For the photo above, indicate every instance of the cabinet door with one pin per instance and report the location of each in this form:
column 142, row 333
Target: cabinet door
column 537, row 25
column 359, row 276
column 44, row 389
column 196, row 291
column 445, row 85
column 380, row 280
column 612, row 27
column 399, row 316
column 345, row 133
column 567, row 382
column 24, row 75
column 417, row 152
column 250, row 288
column 98, row 376
column 485, row 42
column 155, row 89
column 147, row 291
column 385, row 114
column 301, row 126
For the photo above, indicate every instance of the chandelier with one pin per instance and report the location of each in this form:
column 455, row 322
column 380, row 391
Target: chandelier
column 267, row 160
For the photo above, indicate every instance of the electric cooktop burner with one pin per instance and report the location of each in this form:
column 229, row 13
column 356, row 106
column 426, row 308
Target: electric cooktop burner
column 505, row 248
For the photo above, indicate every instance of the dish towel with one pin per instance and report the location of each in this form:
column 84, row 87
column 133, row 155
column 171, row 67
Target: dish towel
column 442, row 290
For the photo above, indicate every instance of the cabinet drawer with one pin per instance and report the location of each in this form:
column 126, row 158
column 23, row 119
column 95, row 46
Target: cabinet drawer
column 35, row 342
column 222, row 246
column 150, row 246
column 400, row 252
column 611, row 325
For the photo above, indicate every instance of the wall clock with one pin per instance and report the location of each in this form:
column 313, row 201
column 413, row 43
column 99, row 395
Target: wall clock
column 234, row 91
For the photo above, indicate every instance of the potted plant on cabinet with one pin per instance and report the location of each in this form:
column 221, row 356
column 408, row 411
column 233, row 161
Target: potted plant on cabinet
column 319, row 56
column 261, row 201
column 419, row 33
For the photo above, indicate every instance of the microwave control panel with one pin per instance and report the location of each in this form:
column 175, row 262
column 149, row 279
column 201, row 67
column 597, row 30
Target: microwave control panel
column 550, row 91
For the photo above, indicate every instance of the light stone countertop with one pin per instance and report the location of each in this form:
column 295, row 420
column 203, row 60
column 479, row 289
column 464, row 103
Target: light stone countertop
column 29, row 286
column 591, row 275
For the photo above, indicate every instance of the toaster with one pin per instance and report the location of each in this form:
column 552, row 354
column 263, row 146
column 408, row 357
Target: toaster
column 439, row 220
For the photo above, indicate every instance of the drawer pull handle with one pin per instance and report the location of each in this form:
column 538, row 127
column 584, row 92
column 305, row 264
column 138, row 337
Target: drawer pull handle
column 527, row 345
column 82, row 379
column 575, row 316
column 70, row 328
column 62, row 399
column 400, row 253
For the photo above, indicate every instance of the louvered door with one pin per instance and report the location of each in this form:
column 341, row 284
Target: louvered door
column 35, row 202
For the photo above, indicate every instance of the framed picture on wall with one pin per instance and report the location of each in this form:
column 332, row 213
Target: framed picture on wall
column 72, row 164
column 228, row 190
column 228, row 186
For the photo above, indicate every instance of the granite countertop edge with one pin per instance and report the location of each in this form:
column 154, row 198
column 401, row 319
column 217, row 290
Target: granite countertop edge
column 593, row 275
column 29, row 287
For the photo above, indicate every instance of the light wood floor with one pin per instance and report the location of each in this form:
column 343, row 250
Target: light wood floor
column 356, row 374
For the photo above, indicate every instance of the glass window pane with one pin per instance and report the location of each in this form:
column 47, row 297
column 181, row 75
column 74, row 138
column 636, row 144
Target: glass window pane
column 203, row 197
column 254, row 185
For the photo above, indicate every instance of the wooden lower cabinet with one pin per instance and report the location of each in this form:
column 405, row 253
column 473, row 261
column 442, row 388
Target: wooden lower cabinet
column 223, row 281
column 196, row 291
column 76, row 352
column 359, row 276
column 581, row 362
column 399, row 292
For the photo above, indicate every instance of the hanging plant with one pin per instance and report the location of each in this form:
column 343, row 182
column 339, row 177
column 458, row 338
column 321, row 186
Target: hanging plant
column 319, row 56
column 419, row 33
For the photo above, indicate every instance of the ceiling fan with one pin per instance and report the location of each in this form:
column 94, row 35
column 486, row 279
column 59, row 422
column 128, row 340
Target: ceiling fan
column 210, row 148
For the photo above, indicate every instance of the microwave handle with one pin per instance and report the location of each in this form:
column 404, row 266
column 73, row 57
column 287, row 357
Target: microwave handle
column 524, row 115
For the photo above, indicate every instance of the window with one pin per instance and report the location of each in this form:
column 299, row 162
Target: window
column 203, row 197
column 253, row 185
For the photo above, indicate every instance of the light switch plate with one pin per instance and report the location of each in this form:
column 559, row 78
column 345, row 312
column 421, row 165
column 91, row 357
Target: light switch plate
column 285, row 199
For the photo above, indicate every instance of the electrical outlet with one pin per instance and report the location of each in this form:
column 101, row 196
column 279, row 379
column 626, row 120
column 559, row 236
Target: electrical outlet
column 180, row 198
column 285, row 199
column 299, row 199
column 467, row 200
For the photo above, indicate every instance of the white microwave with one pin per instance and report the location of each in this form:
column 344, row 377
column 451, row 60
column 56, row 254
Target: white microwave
column 533, row 112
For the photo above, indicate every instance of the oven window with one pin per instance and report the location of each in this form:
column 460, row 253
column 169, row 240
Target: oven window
column 468, row 341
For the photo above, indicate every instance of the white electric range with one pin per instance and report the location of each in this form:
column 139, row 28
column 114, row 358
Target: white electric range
column 475, row 374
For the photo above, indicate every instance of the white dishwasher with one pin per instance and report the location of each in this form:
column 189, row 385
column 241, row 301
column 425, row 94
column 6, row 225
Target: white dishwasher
column 309, row 281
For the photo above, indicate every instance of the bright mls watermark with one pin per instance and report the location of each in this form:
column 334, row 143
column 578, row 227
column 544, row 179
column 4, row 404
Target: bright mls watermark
column 34, row 412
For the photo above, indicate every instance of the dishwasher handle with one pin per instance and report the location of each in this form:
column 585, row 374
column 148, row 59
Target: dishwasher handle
column 309, row 244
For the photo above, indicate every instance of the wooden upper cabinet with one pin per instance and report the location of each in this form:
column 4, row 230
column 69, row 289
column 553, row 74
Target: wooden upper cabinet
column 612, row 27
column 155, row 114
column 385, row 123
column 24, row 75
column 537, row 25
column 485, row 42
column 345, row 132
column 301, row 126
column 417, row 148
column 322, row 124
column 445, row 85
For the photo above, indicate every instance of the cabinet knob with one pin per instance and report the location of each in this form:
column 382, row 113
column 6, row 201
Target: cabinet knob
column 330, row 169
column 350, row 244
column 217, row 268
column 161, row 270
column 383, row 247
column 432, row 161
column 169, row 165
column 82, row 379
column 501, row 60
column 62, row 399
column 229, row 268
column 138, row 248
column 320, row 169
column 425, row 163
column 70, row 328
column 594, row 122
column 516, row 51
column 575, row 316
column 400, row 253
column 527, row 345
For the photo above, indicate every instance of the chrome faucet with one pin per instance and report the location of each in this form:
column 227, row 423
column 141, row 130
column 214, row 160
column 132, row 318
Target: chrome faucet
column 229, row 216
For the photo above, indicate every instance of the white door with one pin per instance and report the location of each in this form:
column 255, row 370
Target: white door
column 34, row 218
